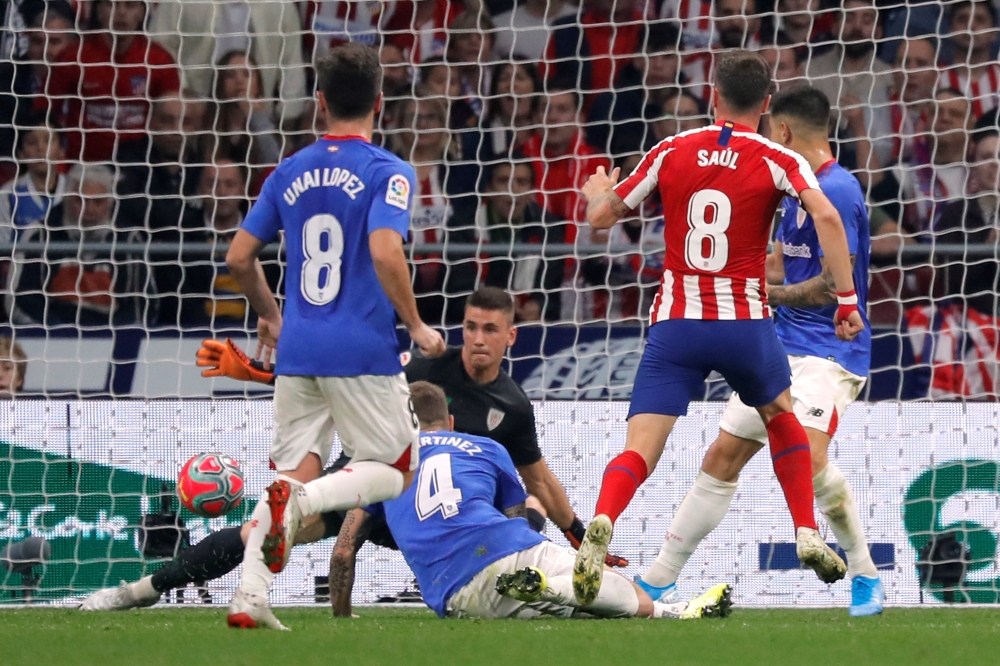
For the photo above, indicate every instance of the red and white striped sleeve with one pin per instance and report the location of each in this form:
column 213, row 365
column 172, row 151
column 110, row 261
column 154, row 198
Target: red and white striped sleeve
column 644, row 180
column 790, row 171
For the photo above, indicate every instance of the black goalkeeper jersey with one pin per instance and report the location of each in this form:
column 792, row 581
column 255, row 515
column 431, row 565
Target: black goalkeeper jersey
column 499, row 409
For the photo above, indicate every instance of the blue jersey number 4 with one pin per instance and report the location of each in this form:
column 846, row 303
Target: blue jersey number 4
column 435, row 490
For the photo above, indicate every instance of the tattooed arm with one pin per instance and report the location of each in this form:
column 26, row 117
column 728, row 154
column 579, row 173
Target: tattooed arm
column 815, row 292
column 353, row 533
column 516, row 511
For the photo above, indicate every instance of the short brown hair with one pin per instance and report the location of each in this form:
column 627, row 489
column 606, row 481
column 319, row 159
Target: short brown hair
column 350, row 78
column 14, row 351
column 493, row 299
column 743, row 79
column 429, row 403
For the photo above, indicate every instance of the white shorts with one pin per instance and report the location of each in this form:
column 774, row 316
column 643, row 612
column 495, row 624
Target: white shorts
column 479, row 598
column 371, row 413
column 821, row 392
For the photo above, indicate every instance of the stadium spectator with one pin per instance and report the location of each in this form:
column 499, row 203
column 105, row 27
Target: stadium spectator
column 395, row 72
column 199, row 34
column 203, row 293
column 695, row 20
column 330, row 23
column 101, row 89
column 854, row 79
column 802, row 25
column 35, row 199
column 510, row 214
column 13, row 367
column 914, row 78
column 514, row 100
column 590, row 49
column 617, row 120
column 681, row 111
column 786, row 66
column 443, row 189
column 524, row 30
column 49, row 29
column 736, row 24
column 153, row 193
column 972, row 221
column 419, row 28
column 973, row 68
column 470, row 42
column 925, row 186
column 240, row 119
column 437, row 78
column 563, row 158
column 85, row 289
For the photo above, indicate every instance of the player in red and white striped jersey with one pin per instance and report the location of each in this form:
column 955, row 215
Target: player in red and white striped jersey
column 720, row 187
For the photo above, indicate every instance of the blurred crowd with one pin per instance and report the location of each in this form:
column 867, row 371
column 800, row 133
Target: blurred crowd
column 137, row 134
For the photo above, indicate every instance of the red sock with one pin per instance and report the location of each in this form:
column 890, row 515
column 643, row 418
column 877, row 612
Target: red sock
column 792, row 462
column 622, row 477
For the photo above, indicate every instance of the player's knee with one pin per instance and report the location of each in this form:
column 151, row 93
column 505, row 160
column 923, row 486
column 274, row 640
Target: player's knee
column 725, row 459
column 245, row 532
column 819, row 460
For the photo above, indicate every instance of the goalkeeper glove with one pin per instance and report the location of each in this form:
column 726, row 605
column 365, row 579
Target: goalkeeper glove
column 575, row 533
column 225, row 359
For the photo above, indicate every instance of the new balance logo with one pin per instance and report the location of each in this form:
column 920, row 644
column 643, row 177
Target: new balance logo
column 814, row 411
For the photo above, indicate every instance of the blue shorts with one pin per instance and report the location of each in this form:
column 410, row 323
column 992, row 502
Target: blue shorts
column 680, row 354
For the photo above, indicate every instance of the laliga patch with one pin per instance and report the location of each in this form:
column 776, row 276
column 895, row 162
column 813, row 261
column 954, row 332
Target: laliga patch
column 398, row 192
column 494, row 417
column 405, row 357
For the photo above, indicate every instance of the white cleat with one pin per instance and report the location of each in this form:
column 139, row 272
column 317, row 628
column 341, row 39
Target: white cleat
column 123, row 597
column 250, row 611
column 588, row 570
column 815, row 554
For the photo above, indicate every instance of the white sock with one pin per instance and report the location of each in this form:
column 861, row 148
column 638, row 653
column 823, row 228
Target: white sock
column 257, row 578
column 616, row 598
column 703, row 508
column 358, row 484
column 143, row 589
column 836, row 501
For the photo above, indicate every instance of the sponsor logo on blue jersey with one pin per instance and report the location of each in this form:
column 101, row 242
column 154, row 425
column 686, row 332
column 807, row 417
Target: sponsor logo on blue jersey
column 810, row 332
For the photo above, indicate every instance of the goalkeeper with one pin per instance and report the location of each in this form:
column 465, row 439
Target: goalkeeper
column 827, row 373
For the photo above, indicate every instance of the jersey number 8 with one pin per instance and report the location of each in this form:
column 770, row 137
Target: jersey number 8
column 320, row 281
column 706, row 245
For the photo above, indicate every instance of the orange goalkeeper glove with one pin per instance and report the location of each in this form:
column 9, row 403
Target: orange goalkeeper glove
column 575, row 533
column 225, row 359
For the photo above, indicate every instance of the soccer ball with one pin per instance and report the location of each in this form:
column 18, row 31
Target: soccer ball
column 210, row 485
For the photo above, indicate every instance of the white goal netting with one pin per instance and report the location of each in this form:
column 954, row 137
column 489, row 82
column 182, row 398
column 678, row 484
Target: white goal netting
column 134, row 136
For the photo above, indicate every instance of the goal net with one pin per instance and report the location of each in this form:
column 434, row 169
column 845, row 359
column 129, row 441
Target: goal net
column 134, row 137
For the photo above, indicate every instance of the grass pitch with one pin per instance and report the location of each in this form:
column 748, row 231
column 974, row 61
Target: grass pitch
column 410, row 637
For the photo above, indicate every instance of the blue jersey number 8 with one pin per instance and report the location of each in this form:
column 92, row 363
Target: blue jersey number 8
column 320, row 282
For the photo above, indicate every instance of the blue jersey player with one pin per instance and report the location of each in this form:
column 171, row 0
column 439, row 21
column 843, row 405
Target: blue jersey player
column 827, row 373
column 344, row 207
column 460, row 527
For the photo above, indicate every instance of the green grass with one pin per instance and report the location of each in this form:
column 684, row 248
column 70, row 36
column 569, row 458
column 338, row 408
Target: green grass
column 407, row 637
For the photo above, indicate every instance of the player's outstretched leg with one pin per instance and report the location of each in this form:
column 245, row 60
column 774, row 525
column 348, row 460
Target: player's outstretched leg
column 702, row 510
column 212, row 557
column 836, row 501
column 622, row 477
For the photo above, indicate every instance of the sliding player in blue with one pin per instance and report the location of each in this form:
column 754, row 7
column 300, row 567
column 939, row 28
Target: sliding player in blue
column 827, row 373
column 460, row 527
